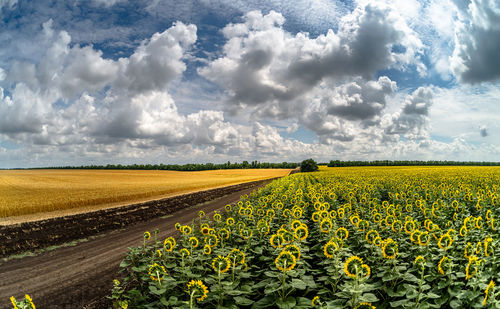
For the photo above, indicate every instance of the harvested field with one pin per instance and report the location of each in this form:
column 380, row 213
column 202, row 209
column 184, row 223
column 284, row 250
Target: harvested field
column 24, row 192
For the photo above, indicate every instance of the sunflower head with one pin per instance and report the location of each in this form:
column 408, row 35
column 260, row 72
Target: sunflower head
column 201, row 214
column 207, row 249
column 197, row 289
column 342, row 233
column 193, row 242
column 184, row 252
column 390, row 249
column 169, row 244
column 277, row 241
column 147, row 235
column 237, row 256
column 365, row 305
column 330, row 248
column 157, row 272
column 420, row 261
column 316, row 301
column 352, row 266
column 301, row 232
column 293, row 249
column 444, row 265
column 285, row 261
column 221, row 263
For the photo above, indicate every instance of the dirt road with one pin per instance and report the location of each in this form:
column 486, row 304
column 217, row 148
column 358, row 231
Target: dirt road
column 81, row 276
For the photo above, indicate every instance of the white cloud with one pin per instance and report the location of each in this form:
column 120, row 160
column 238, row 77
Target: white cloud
column 107, row 3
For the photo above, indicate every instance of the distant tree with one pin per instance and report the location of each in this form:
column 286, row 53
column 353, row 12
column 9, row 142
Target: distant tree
column 308, row 165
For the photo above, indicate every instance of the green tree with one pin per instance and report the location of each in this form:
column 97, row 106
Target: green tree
column 308, row 165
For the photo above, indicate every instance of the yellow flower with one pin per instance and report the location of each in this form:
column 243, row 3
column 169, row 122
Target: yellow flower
column 490, row 286
column 377, row 241
column 207, row 249
column 487, row 242
column 366, row 271
column 201, row 214
column 186, row 230
column 185, row 252
column 371, row 235
column 444, row 259
column 420, row 260
column 447, row 242
column 230, row 221
column 468, row 250
column 237, row 256
column 157, row 272
column 169, row 244
column 221, row 263
column 196, row 288
column 30, row 301
column 193, row 242
column 463, row 231
column 301, row 232
column 389, row 249
column 329, row 248
column 326, row 225
column 352, row 263
column 315, row 301
column 479, row 247
column 246, row 233
column 228, row 207
column 217, row 217
column 285, row 261
column 365, row 306
column 423, row 238
column 223, row 233
column 277, row 241
column 211, row 240
column 342, row 233
column 409, row 226
column 293, row 249
column 147, row 235
column 468, row 274
column 13, row 301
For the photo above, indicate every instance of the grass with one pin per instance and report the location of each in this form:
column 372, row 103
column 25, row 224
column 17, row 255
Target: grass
column 24, row 192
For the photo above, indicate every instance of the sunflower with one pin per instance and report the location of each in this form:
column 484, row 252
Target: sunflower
column 147, row 235
column 207, row 249
column 329, row 248
column 315, row 301
column 390, row 249
column 365, row 305
column 185, row 252
column 186, row 230
column 293, row 249
column 487, row 242
column 301, row 232
column 178, row 226
column 211, row 240
column 169, row 244
column 490, row 286
column 157, row 272
column 447, row 239
column 342, row 233
column 423, row 238
column 472, row 260
column 237, row 256
column 463, row 231
column 221, row 263
column 217, row 217
column 326, row 225
column 285, row 261
column 276, row 241
column 201, row 214
column 371, row 235
column 366, row 271
column 352, row 264
column 193, row 242
column 295, row 224
column 420, row 260
column 230, row 221
column 468, row 250
column 196, row 288
column 377, row 241
column 246, row 233
column 228, row 208
column 445, row 260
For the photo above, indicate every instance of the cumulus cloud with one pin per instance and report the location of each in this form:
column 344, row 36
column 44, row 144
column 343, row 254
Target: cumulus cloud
column 8, row 4
column 107, row 3
column 412, row 120
column 263, row 63
column 477, row 41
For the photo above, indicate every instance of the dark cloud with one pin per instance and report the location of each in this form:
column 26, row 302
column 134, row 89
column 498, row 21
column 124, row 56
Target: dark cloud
column 477, row 41
column 483, row 131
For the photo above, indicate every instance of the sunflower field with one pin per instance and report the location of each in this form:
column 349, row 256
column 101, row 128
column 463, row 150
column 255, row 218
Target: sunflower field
column 386, row 237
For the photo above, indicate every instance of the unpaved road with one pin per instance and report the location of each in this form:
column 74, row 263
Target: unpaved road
column 81, row 276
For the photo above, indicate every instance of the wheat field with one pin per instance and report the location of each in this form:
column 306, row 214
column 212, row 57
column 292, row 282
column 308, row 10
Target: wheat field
column 24, row 192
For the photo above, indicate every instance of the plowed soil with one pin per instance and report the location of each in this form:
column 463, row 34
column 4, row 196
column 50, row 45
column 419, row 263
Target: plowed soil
column 81, row 276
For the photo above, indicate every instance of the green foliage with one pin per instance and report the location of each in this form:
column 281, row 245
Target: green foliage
column 308, row 165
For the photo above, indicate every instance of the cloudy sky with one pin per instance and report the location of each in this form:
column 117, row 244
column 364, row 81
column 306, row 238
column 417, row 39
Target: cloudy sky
column 154, row 81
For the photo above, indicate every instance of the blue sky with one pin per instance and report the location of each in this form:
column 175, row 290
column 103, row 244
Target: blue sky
column 120, row 81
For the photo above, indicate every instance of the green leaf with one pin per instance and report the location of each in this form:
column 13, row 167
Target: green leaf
column 243, row 301
column 298, row 284
column 432, row 295
column 399, row 303
column 455, row 303
column 289, row 303
column 369, row 297
column 265, row 302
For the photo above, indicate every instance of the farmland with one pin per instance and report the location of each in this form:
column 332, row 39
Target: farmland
column 24, row 192
column 392, row 237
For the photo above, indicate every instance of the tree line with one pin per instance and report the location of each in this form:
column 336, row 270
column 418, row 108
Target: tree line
column 339, row 163
column 183, row 167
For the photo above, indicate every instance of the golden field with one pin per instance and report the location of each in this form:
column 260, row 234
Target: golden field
column 25, row 192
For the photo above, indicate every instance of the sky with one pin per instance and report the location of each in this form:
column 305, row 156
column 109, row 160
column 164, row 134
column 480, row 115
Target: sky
column 158, row 81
